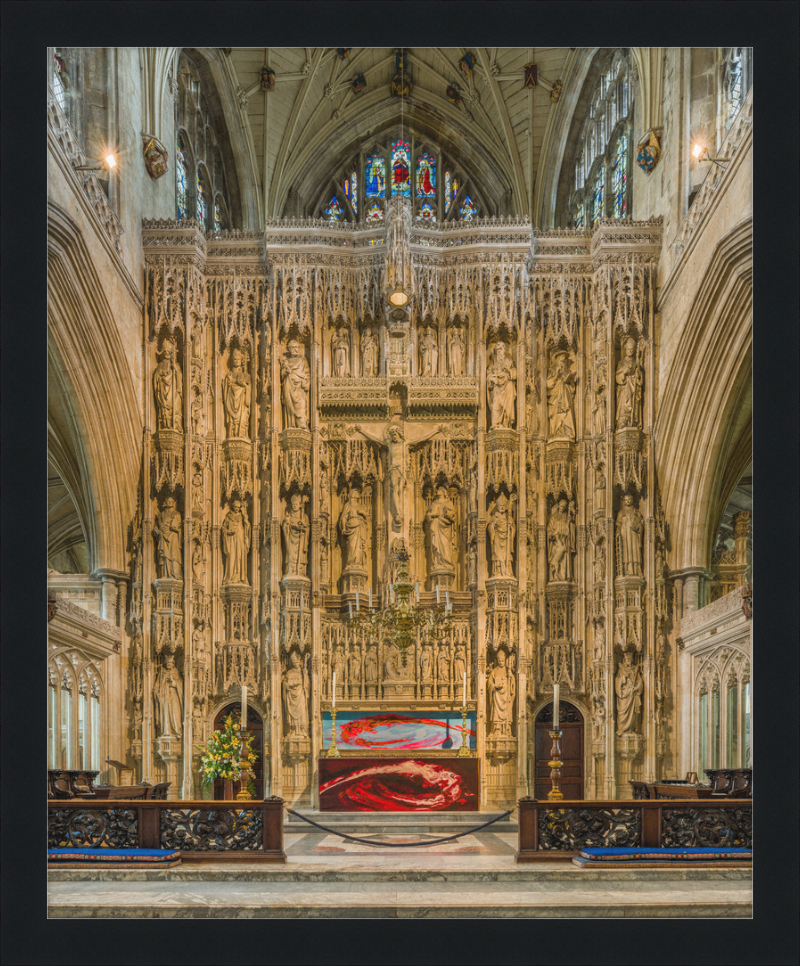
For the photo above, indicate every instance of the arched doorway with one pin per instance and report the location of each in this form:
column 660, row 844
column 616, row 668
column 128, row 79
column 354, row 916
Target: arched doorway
column 227, row 790
column 571, row 724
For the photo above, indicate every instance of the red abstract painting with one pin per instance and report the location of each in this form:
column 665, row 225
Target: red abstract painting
column 398, row 785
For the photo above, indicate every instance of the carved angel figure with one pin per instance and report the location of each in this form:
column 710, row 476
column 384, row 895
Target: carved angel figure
column 629, row 379
column 167, row 531
column 235, row 534
column 501, row 389
column 295, row 698
column 561, row 397
column 168, row 390
column 236, row 398
column 295, row 528
column 295, row 379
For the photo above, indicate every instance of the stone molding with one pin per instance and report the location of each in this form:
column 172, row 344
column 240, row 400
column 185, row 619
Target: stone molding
column 721, row 614
column 82, row 623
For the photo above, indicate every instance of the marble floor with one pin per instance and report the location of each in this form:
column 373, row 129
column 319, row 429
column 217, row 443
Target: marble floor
column 357, row 881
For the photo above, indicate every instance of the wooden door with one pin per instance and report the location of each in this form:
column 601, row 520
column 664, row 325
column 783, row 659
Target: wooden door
column 226, row 790
column 571, row 752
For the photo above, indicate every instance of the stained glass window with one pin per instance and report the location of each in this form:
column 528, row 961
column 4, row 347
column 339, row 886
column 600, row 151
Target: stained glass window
column 451, row 188
column 354, row 193
column 375, row 175
column 426, row 176
column 427, row 211
column 580, row 217
column 374, row 212
column 220, row 222
column 468, row 209
column 401, row 169
column 183, row 179
column 59, row 87
column 598, row 193
column 619, row 177
column 334, row 211
column 202, row 205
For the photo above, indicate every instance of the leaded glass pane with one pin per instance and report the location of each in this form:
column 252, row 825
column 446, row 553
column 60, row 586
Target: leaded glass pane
column 375, row 176
column 427, row 211
column 619, row 177
column 334, row 212
column 401, row 169
column 202, row 206
column 374, row 212
column 598, row 194
column 354, row 193
column 468, row 209
column 59, row 88
column 426, row 176
column 183, row 179
column 580, row 217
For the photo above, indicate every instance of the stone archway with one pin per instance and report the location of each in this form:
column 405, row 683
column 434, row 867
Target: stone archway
column 225, row 790
column 572, row 748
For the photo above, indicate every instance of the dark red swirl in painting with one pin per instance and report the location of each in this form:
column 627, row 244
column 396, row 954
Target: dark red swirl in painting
column 400, row 786
column 413, row 733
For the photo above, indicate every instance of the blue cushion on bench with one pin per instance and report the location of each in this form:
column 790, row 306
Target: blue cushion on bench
column 148, row 856
column 618, row 854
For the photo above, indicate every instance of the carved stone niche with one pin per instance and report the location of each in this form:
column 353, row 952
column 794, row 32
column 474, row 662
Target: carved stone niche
column 560, row 469
column 237, row 468
column 295, row 459
column 168, row 459
column 628, row 459
column 237, row 602
column 502, row 459
column 432, row 397
column 345, row 397
column 628, row 615
column 168, row 614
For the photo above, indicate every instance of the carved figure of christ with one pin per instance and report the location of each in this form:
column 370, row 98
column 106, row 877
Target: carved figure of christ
column 395, row 440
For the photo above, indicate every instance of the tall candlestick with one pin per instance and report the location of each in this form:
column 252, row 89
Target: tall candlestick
column 370, row 598
column 437, row 595
column 465, row 688
column 391, row 594
column 333, row 691
column 555, row 706
column 244, row 706
column 350, row 608
column 358, row 605
column 417, row 591
column 447, row 600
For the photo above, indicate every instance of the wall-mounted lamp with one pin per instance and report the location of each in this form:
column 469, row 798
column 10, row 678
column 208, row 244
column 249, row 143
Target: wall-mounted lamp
column 108, row 162
column 398, row 297
column 700, row 153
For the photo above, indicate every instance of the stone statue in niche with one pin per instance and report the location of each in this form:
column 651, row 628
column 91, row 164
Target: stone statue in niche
column 295, row 528
column 561, row 396
column 561, row 541
column 236, row 398
column 355, row 673
column 599, row 412
column 168, row 698
column 500, row 692
column 324, row 491
column 338, row 665
column 391, row 665
column 235, row 534
column 426, row 665
column 628, row 686
column 295, row 698
column 472, row 565
column 340, row 349
column 460, row 666
column 429, row 353
column 501, row 389
column 168, row 533
column 599, row 488
column 630, row 527
column 371, row 668
column 629, row 379
column 354, row 531
column 472, row 500
column 198, row 416
column 199, row 564
column 168, row 389
column 455, row 351
column 441, row 520
column 295, row 381
column 443, row 666
column 197, row 491
column 501, row 530
column 599, row 563
column 369, row 354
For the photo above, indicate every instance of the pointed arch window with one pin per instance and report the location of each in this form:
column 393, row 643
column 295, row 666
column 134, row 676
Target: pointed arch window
column 60, row 81
column 619, row 176
column 426, row 176
column 598, row 196
column 375, row 177
column 183, row 179
column 202, row 202
column 401, row 169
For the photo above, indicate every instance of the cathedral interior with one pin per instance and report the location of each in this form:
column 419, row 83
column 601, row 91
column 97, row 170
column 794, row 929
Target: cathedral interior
column 477, row 325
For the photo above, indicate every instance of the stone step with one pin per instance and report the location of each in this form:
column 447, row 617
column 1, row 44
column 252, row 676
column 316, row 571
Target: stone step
column 364, row 823
column 397, row 899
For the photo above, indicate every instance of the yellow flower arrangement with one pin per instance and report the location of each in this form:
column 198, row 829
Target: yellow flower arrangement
column 220, row 758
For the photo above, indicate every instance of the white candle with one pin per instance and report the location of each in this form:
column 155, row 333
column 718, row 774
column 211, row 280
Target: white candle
column 391, row 593
column 417, row 591
column 357, row 602
column 465, row 688
column 555, row 706
column 244, row 706
column 333, row 691
column 370, row 598
column 350, row 608
column 437, row 595
column 447, row 599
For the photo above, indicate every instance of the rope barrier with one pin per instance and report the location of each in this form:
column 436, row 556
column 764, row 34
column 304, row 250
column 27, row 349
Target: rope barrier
column 398, row 845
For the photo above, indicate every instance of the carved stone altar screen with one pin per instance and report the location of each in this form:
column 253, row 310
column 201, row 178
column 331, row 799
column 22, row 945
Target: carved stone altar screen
column 298, row 427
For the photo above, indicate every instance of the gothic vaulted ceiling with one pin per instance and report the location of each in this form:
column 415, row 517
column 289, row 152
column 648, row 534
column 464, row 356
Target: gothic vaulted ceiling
column 312, row 119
